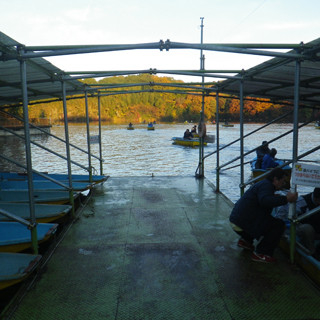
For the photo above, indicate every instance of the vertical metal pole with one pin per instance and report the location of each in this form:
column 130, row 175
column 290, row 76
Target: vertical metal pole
column 217, row 144
column 241, row 139
column 100, row 144
column 201, row 147
column 88, row 137
column 23, row 74
column 66, row 133
column 292, row 207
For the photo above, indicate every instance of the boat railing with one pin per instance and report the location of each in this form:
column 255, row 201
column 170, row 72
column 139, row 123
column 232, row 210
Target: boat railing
column 248, row 134
column 286, row 163
column 37, row 172
column 45, row 148
column 270, row 141
column 49, row 134
column 17, row 219
column 242, row 185
column 307, row 214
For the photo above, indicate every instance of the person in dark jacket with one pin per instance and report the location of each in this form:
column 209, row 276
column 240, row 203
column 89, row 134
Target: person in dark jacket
column 261, row 152
column 251, row 216
column 268, row 160
column 187, row 135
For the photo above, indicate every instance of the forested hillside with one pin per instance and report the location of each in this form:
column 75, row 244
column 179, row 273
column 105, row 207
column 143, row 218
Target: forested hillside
column 156, row 106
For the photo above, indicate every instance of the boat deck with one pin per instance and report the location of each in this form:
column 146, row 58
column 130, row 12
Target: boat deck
column 162, row 248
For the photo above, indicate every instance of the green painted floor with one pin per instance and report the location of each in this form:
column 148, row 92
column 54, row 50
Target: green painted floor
column 162, row 248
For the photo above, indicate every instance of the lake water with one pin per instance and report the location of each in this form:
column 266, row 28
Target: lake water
column 141, row 152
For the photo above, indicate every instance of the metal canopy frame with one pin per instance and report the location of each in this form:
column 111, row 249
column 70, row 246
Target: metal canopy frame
column 291, row 77
column 273, row 79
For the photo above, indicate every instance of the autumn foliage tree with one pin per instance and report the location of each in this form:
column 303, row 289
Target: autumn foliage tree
column 149, row 101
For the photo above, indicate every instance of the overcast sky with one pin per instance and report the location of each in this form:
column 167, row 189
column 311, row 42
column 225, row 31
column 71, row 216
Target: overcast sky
column 62, row 22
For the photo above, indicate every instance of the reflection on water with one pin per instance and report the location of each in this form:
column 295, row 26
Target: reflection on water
column 141, row 152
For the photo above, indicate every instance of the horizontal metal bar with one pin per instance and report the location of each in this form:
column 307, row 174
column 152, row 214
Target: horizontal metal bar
column 236, row 45
column 197, row 73
column 283, row 165
column 214, row 47
column 307, row 214
column 88, row 49
column 27, row 52
column 42, row 147
column 16, row 218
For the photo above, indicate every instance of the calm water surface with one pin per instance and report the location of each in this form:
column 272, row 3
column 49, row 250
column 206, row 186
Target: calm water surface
column 141, row 152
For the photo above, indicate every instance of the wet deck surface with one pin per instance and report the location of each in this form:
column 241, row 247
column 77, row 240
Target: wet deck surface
column 162, row 248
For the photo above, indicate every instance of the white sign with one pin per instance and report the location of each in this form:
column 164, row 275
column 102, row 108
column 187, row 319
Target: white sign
column 306, row 175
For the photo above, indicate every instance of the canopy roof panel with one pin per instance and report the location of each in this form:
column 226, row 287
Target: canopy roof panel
column 275, row 78
column 43, row 78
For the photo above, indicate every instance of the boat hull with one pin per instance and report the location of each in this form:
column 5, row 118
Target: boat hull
column 187, row 142
column 16, row 267
column 57, row 176
column 44, row 213
column 42, row 185
column 16, row 237
column 45, row 197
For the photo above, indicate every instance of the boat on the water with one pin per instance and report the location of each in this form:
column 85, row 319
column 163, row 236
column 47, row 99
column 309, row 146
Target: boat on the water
column 317, row 125
column 150, row 126
column 16, row 267
column 49, row 197
column 16, row 237
column 187, row 142
column 130, row 126
column 44, row 213
column 258, row 172
column 85, row 178
column 226, row 124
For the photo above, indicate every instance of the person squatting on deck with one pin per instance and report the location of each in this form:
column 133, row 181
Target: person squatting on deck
column 308, row 230
column 251, row 216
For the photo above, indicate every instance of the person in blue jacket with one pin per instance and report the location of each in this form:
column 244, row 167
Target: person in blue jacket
column 268, row 160
column 251, row 216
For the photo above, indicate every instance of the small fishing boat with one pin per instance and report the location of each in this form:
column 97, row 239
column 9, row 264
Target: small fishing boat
column 57, row 176
column 44, row 213
column 16, row 267
column 150, row 126
column 49, row 197
column 16, row 237
column 187, row 142
column 258, row 172
column 42, row 185
column 226, row 124
column 130, row 126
